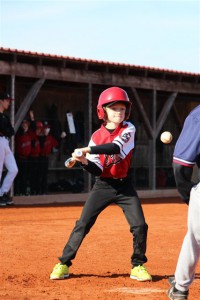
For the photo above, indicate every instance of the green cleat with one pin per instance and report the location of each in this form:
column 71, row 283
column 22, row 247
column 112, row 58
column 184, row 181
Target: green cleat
column 140, row 273
column 60, row 272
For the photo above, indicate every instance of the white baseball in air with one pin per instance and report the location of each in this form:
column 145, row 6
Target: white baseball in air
column 166, row 137
column 78, row 153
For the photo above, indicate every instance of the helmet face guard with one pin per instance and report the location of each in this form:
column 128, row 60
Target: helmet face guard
column 113, row 95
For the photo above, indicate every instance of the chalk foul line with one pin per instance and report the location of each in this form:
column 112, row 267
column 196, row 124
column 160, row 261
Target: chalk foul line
column 138, row 291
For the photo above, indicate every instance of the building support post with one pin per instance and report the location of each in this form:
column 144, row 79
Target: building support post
column 12, row 118
column 152, row 146
column 89, row 126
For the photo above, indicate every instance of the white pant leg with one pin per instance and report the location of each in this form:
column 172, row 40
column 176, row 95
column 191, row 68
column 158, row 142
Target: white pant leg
column 11, row 166
column 190, row 251
column 2, row 156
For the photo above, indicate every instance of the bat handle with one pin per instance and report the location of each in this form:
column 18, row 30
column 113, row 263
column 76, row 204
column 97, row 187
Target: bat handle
column 78, row 153
column 70, row 162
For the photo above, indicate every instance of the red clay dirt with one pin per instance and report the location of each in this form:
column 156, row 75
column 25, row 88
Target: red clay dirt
column 33, row 237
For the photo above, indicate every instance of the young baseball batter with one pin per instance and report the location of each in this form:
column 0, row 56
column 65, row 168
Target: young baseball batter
column 6, row 156
column 186, row 154
column 108, row 157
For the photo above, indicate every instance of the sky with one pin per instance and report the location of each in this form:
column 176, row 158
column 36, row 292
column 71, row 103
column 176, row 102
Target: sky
column 163, row 34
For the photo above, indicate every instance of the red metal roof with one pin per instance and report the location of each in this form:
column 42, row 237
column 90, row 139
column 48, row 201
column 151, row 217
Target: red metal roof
column 54, row 56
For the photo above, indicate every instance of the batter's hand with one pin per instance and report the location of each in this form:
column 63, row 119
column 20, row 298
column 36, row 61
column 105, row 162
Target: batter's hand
column 31, row 114
column 81, row 158
column 84, row 150
column 70, row 162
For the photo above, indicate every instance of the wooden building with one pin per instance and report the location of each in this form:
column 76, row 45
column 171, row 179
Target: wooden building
column 59, row 84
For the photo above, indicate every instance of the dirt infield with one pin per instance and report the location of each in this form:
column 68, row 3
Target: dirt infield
column 33, row 237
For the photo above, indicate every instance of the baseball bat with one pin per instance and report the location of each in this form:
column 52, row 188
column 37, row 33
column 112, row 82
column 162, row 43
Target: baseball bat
column 70, row 162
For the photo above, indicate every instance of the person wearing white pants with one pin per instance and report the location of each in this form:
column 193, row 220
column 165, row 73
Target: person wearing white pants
column 186, row 155
column 190, row 251
column 7, row 158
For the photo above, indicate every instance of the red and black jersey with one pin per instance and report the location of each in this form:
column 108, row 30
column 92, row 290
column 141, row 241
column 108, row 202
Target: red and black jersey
column 23, row 145
column 48, row 144
column 114, row 165
column 35, row 144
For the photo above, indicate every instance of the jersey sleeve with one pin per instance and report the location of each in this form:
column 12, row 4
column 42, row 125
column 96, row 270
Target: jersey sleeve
column 95, row 158
column 186, row 154
column 187, row 146
column 126, row 140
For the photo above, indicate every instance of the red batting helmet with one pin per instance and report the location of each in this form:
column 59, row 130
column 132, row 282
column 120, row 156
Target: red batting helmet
column 112, row 95
column 39, row 124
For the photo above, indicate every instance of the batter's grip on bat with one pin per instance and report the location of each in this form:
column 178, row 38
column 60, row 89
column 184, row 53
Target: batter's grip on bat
column 70, row 162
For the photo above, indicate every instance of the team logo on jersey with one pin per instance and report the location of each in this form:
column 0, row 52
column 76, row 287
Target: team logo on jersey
column 126, row 137
column 111, row 160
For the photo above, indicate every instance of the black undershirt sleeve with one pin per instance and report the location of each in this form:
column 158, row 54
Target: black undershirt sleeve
column 92, row 168
column 108, row 148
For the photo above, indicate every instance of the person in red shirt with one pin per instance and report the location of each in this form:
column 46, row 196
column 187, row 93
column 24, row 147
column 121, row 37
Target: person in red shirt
column 22, row 152
column 108, row 157
column 47, row 144
column 35, row 131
